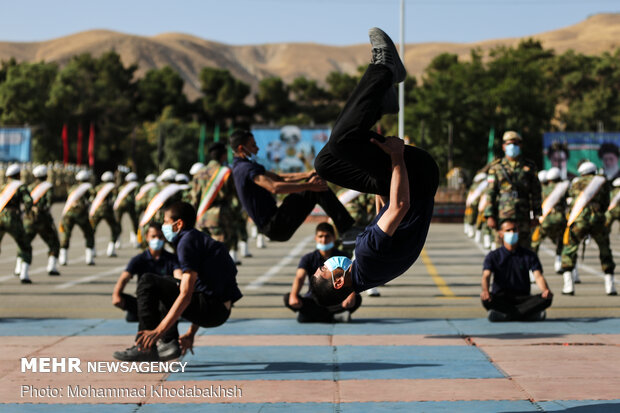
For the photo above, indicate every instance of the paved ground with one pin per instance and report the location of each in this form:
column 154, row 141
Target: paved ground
column 424, row 345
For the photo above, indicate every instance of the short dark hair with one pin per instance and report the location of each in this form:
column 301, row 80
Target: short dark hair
column 325, row 227
column 608, row 147
column 217, row 150
column 154, row 224
column 239, row 137
column 324, row 292
column 183, row 211
column 503, row 221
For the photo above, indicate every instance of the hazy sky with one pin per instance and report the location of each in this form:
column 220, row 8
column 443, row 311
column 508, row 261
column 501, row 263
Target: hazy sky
column 336, row 22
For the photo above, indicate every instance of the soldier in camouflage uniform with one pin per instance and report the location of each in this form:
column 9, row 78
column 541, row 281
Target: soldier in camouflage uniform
column 128, row 205
column 106, row 212
column 164, row 180
column 554, row 223
column 142, row 197
column 514, row 190
column 220, row 220
column 183, row 180
column 591, row 221
column 78, row 214
column 11, row 218
column 613, row 211
column 471, row 210
column 39, row 220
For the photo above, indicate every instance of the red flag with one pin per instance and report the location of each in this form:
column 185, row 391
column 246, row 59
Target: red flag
column 79, row 145
column 65, row 145
column 91, row 146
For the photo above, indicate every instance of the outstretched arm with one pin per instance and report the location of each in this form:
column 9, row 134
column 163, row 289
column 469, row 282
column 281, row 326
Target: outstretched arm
column 399, row 185
column 315, row 184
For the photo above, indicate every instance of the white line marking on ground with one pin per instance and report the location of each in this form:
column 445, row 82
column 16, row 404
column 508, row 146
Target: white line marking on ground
column 90, row 278
column 260, row 281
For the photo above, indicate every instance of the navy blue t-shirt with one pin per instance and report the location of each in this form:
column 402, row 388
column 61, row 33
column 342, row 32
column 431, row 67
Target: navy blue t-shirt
column 313, row 260
column 380, row 258
column 145, row 263
column 210, row 259
column 256, row 200
column 511, row 270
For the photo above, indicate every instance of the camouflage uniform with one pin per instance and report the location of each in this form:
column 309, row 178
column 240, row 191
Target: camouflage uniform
column 106, row 212
column 591, row 222
column 554, row 224
column 362, row 209
column 11, row 221
column 471, row 212
column 612, row 214
column 78, row 214
column 221, row 220
column 40, row 221
column 143, row 202
column 128, row 205
column 513, row 191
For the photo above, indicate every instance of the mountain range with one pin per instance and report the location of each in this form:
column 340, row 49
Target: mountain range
column 189, row 54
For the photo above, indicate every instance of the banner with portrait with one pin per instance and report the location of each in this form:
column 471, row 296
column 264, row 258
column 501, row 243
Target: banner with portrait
column 566, row 150
column 15, row 144
column 289, row 148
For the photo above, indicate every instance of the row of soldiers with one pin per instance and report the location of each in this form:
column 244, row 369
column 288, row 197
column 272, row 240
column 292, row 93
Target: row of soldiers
column 25, row 208
column 543, row 205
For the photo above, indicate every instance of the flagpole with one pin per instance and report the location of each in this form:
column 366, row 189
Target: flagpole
column 401, row 85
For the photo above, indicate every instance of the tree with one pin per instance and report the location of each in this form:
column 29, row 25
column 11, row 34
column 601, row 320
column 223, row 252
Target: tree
column 272, row 100
column 224, row 96
column 100, row 91
column 156, row 90
column 24, row 92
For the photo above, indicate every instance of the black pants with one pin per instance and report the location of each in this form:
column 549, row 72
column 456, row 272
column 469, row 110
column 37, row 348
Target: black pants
column 295, row 208
column 350, row 160
column 312, row 312
column 153, row 290
column 517, row 307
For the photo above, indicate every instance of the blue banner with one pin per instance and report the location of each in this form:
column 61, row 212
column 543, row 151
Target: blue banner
column 15, row 144
column 290, row 148
column 566, row 150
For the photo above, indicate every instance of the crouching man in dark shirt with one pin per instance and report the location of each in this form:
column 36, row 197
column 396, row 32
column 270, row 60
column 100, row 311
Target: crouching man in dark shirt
column 405, row 177
column 510, row 264
column 309, row 311
column 155, row 259
column 204, row 297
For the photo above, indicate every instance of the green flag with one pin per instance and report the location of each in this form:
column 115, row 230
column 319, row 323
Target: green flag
column 230, row 149
column 490, row 155
column 201, row 143
column 216, row 133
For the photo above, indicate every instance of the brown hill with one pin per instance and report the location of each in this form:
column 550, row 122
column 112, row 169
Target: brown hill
column 188, row 54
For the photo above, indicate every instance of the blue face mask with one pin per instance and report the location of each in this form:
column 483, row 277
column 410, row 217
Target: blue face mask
column 169, row 234
column 250, row 156
column 324, row 247
column 511, row 238
column 156, row 244
column 512, row 150
column 337, row 262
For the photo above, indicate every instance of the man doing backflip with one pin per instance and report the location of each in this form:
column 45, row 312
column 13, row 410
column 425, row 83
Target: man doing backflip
column 406, row 177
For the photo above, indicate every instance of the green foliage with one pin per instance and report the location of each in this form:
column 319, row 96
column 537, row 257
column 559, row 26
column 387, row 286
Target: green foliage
column 224, row 96
column 156, row 90
column 526, row 88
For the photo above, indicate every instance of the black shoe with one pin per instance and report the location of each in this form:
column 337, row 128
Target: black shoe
column 540, row 316
column 168, row 351
column 53, row 273
column 384, row 53
column 26, row 281
column 494, row 315
column 389, row 104
column 135, row 354
column 131, row 317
